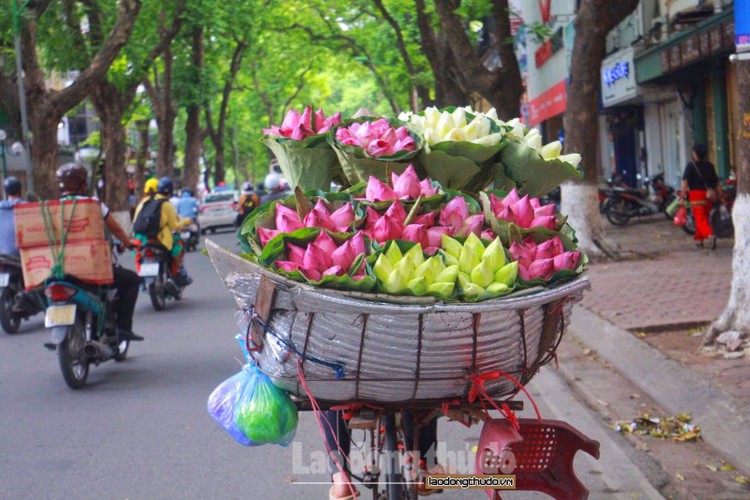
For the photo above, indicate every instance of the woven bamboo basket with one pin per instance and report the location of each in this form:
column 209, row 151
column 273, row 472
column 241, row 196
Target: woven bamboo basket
column 357, row 347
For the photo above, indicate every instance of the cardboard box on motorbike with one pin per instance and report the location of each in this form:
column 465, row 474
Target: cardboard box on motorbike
column 86, row 255
column 83, row 223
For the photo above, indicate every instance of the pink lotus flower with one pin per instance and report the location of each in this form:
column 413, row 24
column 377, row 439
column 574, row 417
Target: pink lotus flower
column 388, row 226
column 322, row 257
column 543, row 260
column 406, row 186
column 456, row 215
column 488, row 234
column 296, row 126
column 524, row 212
column 287, row 220
column 378, row 138
column 337, row 221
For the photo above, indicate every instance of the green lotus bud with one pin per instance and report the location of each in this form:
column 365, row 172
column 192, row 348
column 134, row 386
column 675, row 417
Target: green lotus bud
column 482, row 274
column 451, row 246
column 382, row 268
column 507, row 274
column 425, row 271
column 396, row 281
column 447, row 275
column 468, row 259
column 444, row 289
column 415, row 256
column 498, row 288
column 436, row 265
column 418, row 286
column 495, row 254
column 449, row 259
column 394, row 254
column 472, row 291
column 475, row 244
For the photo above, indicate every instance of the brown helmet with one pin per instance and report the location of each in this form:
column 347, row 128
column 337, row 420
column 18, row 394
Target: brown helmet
column 71, row 178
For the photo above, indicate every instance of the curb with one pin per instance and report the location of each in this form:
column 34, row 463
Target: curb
column 673, row 386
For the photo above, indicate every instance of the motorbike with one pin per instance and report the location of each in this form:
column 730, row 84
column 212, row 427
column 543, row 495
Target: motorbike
column 621, row 204
column 191, row 237
column 156, row 275
column 83, row 330
column 17, row 303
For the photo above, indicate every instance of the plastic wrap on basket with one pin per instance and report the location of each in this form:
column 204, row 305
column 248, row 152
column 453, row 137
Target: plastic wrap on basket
column 358, row 347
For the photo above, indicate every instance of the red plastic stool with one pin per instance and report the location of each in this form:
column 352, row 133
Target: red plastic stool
column 540, row 454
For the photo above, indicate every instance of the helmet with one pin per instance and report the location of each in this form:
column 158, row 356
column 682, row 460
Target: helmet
column 71, row 178
column 12, row 186
column 166, row 186
column 247, row 187
column 151, row 186
column 186, row 192
column 272, row 182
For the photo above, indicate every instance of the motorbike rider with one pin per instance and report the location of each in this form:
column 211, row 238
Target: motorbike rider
column 273, row 188
column 72, row 181
column 169, row 224
column 188, row 205
column 149, row 188
column 248, row 202
column 12, row 187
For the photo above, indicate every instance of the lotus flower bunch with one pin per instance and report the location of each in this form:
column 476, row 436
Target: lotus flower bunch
column 482, row 270
column 525, row 212
column 287, row 220
column 406, row 186
column 398, row 272
column 439, row 126
column 378, row 138
column 323, row 257
column 296, row 126
column 543, row 260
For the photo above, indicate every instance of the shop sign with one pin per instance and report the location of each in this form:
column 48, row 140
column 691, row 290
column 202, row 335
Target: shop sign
column 618, row 78
column 742, row 25
column 690, row 49
column 549, row 103
column 698, row 46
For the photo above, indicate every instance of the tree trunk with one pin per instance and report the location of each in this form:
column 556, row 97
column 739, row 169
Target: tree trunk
column 43, row 121
column 108, row 103
column 501, row 86
column 736, row 316
column 595, row 19
column 448, row 90
column 219, row 169
column 165, row 121
column 46, row 108
column 193, row 133
column 141, row 157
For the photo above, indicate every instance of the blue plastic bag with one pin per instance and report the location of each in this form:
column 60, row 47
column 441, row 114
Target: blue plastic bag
column 252, row 410
column 223, row 402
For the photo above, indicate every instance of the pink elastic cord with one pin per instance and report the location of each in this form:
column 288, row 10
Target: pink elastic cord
column 318, row 418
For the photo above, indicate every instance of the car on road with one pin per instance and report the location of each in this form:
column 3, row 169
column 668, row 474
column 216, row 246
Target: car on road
column 219, row 209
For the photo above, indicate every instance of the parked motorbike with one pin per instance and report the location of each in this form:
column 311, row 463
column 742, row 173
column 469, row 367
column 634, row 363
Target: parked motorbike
column 623, row 203
column 190, row 236
column 156, row 275
column 17, row 303
column 83, row 330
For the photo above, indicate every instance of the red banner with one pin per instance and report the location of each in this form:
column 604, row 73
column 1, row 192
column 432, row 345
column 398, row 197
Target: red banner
column 549, row 103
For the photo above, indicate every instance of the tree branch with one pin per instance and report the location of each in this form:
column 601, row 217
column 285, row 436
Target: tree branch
column 116, row 39
column 300, row 85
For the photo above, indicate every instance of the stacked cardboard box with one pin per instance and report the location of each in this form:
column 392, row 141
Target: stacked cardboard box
column 86, row 253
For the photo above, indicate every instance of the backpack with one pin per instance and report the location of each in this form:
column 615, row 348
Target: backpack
column 249, row 203
column 149, row 218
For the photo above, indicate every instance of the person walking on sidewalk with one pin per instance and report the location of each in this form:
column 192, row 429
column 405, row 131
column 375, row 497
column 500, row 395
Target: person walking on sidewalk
column 700, row 186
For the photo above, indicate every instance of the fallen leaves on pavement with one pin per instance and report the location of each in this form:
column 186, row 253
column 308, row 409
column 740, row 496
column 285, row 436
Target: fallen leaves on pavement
column 676, row 428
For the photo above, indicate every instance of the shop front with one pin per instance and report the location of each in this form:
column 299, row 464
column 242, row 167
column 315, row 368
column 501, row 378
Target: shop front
column 692, row 70
column 623, row 137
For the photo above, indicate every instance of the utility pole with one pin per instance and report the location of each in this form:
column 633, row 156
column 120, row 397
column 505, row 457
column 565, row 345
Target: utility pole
column 22, row 93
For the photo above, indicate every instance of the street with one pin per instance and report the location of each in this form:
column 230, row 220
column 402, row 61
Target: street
column 140, row 429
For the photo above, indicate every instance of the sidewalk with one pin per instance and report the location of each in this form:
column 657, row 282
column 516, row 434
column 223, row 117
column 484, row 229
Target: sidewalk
column 647, row 321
